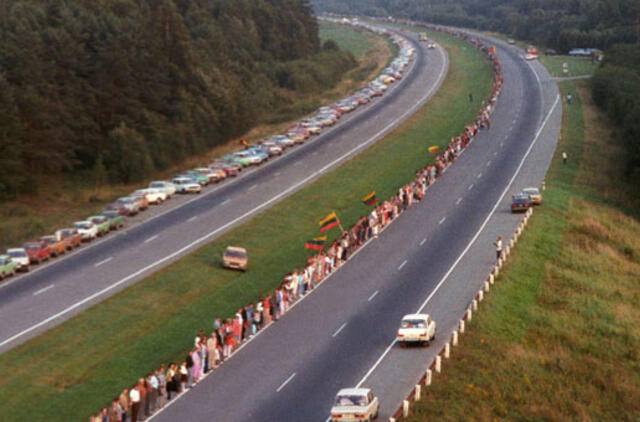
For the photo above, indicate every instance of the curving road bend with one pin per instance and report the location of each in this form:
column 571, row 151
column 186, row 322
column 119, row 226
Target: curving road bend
column 35, row 302
column 433, row 258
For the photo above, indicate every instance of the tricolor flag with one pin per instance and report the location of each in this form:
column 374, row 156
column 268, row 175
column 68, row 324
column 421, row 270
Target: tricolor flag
column 328, row 222
column 244, row 142
column 317, row 243
column 370, row 199
column 433, row 149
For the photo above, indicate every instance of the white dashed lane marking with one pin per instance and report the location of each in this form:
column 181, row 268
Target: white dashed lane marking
column 372, row 296
column 339, row 329
column 226, row 201
column 36, row 293
column 402, row 265
column 470, row 186
column 287, row 381
column 192, row 218
column 458, row 201
column 442, row 221
column 151, row 239
column 423, row 241
column 97, row 264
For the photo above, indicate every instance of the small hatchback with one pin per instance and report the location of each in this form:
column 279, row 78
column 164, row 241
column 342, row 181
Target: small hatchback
column 355, row 404
column 416, row 328
column 520, row 203
column 533, row 194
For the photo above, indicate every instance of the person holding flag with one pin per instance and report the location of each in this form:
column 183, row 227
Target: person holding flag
column 316, row 244
column 329, row 222
column 370, row 199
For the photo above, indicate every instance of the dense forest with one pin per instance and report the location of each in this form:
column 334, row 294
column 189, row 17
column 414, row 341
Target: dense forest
column 616, row 88
column 561, row 24
column 124, row 87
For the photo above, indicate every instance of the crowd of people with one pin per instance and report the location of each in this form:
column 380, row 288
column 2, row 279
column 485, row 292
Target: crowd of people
column 157, row 388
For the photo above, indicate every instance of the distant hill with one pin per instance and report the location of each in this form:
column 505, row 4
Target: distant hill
column 129, row 86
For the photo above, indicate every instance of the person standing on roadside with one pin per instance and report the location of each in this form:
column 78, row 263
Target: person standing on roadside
column 471, row 97
column 569, row 98
column 124, row 403
column 134, row 396
column 498, row 245
column 564, row 157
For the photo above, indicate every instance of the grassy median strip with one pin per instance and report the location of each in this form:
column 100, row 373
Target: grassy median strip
column 70, row 371
column 558, row 337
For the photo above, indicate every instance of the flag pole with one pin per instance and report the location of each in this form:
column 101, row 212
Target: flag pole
column 339, row 224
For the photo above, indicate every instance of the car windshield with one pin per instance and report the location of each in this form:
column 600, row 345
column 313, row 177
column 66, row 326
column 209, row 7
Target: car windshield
column 110, row 214
column 66, row 232
column 32, row 246
column 83, row 225
column 235, row 254
column 351, row 400
column 17, row 254
column 413, row 323
column 126, row 200
column 531, row 191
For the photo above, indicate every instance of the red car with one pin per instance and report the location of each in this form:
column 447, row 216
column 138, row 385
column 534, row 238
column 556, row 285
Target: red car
column 37, row 251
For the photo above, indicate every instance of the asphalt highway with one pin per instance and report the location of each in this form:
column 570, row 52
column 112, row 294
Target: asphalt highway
column 34, row 302
column 434, row 258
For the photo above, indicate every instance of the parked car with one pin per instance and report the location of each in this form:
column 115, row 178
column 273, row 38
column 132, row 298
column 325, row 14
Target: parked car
column 230, row 169
column 20, row 257
column 102, row 224
column 116, row 221
column 8, row 267
column 213, row 176
column 71, row 236
column 57, row 246
column 141, row 199
column 117, row 207
column 186, row 185
column 520, row 203
column 37, row 251
column 416, row 328
column 235, row 258
column 354, row 404
column 533, row 194
column 87, row 230
column 152, row 195
column 167, row 187
column 131, row 205
column 197, row 177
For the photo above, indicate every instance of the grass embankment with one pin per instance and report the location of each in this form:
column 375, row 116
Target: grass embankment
column 63, row 200
column 577, row 66
column 558, row 338
column 70, row 371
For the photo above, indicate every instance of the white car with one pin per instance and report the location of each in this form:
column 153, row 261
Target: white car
column 168, row 187
column 355, row 404
column 186, row 185
column 153, row 195
column 254, row 159
column 416, row 328
column 87, row 230
column 20, row 257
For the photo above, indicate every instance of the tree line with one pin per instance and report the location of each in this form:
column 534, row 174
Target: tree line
column 125, row 87
column 559, row 24
column 616, row 88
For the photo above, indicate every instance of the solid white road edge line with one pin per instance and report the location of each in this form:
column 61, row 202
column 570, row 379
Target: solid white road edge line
column 235, row 220
column 51, row 286
column 104, row 261
column 286, row 382
column 338, row 330
column 464, row 252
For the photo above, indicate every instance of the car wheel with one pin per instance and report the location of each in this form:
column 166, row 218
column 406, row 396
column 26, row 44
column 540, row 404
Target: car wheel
column 26, row 269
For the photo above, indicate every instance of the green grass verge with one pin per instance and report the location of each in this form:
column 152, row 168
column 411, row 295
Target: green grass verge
column 357, row 41
column 558, row 337
column 576, row 66
column 70, row 371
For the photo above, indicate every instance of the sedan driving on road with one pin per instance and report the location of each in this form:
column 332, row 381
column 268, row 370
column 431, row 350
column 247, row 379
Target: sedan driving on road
column 416, row 328
column 355, row 404
column 520, row 203
column 533, row 194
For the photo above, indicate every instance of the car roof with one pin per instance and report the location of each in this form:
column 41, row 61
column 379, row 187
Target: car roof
column 353, row 391
column 530, row 189
column 5, row 256
column 416, row 316
column 236, row 249
column 15, row 250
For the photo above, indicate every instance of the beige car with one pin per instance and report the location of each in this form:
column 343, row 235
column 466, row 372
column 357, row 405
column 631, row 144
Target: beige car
column 235, row 258
column 416, row 328
column 533, row 194
column 355, row 404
